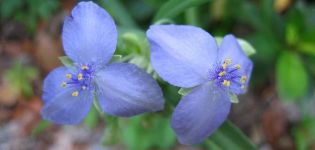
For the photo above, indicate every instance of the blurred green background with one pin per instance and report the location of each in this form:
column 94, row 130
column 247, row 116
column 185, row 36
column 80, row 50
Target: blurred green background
column 277, row 113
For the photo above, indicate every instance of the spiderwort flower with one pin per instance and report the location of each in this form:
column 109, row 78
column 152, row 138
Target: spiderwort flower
column 89, row 38
column 188, row 57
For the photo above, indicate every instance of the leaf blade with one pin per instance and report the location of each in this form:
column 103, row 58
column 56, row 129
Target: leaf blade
column 174, row 7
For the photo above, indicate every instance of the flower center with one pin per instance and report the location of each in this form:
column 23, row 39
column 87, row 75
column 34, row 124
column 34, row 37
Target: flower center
column 80, row 80
column 228, row 74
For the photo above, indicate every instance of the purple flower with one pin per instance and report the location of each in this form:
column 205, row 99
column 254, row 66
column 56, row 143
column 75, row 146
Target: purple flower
column 189, row 57
column 89, row 38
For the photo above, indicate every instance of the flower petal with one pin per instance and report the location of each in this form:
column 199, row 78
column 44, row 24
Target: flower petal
column 67, row 109
column 181, row 55
column 89, row 35
column 200, row 113
column 125, row 90
column 52, row 83
column 231, row 49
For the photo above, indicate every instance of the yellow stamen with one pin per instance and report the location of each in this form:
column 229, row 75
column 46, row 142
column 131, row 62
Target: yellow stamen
column 75, row 93
column 222, row 73
column 224, row 66
column 69, row 76
column 243, row 79
column 80, row 76
column 227, row 61
column 63, row 84
column 84, row 67
column 237, row 66
column 226, row 83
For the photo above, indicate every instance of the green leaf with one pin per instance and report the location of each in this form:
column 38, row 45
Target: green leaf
column 65, row 60
column 111, row 132
column 119, row 12
column 147, row 132
column 91, row 119
column 294, row 25
column 184, row 91
column 174, row 7
column 291, row 76
column 228, row 136
column 304, row 134
column 246, row 46
column 40, row 127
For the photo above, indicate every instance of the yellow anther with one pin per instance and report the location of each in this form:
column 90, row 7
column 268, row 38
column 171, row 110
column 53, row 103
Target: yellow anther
column 237, row 66
column 224, row 66
column 80, row 76
column 243, row 79
column 63, row 84
column 69, row 76
column 222, row 73
column 226, row 83
column 85, row 67
column 227, row 61
column 75, row 93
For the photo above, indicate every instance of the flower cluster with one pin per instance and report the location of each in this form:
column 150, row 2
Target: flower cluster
column 184, row 56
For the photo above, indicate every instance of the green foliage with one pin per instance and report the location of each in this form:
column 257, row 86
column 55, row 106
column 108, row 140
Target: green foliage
column 28, row 12
column 228, row 136
column 40, row 127
column 119, row 12
column 294, row 26
column 20, row 77
column 305, row 134
column 291, row 76
column 146, row 132
column 91, row 119
column 174, row 7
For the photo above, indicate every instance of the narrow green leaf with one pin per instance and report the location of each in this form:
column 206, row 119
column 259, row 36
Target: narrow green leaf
column 246, row 46
column 192, row 16
column 119, row 12
column 228, row 136
column 41, row 126
column 174, row 7
column 291, row 76
column 65, row 60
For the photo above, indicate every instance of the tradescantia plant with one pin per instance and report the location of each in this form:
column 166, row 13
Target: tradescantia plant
column 184, row 56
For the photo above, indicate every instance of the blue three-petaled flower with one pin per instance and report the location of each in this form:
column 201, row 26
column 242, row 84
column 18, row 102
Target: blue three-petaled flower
column 89, row 38
column 189, row 57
